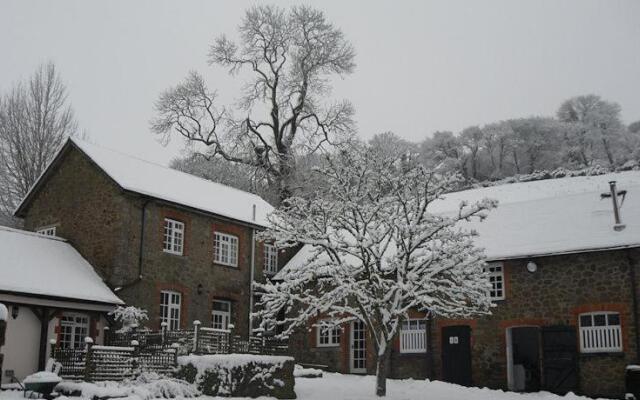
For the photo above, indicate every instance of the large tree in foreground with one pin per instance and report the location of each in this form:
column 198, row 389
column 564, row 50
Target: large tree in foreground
column 375, row 251
column 35, row 118
column 290, row 57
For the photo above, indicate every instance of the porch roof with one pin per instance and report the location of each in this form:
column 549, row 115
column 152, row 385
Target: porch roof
column 48, row 267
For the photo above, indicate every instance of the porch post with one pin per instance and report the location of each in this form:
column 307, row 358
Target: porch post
column 45, row 315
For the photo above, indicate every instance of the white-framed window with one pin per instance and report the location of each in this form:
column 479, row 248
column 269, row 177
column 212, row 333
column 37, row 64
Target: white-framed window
column 173, row 236
column 328, row 336
column 496, row 278
column 47, row 231
column 170, row 303
column 413, row 336
column 270, row 259
column 600, row 332
column 73, row 329
column 220, row 314
column 225, row 249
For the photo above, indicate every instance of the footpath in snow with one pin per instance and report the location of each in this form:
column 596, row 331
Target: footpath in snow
column 353, row 387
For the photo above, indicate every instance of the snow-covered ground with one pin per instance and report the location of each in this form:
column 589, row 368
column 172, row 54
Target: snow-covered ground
column 352, row 387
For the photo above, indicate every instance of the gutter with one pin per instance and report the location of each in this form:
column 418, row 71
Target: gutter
column 560, row 253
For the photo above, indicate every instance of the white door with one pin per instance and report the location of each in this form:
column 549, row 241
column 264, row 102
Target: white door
column 358, row 348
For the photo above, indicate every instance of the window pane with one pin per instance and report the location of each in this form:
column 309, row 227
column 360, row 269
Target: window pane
column 585, row 320
column 599, row 320
column 614, row 319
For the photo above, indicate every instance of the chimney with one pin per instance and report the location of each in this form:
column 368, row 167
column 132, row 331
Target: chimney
column 616, row 207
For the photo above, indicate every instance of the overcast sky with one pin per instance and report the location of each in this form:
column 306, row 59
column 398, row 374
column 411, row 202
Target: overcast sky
column 422, row 65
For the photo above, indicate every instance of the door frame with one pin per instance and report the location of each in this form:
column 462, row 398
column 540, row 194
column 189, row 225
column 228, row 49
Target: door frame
column 509, row 351
column 352, row 348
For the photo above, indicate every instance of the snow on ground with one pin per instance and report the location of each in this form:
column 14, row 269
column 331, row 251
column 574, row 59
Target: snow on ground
column 352, row 387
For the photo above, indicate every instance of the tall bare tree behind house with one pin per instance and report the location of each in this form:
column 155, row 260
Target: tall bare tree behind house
column 290, row 55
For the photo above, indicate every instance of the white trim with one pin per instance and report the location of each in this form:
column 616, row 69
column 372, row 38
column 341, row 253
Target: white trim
column 47, row 230
column 361, row 367
column 413, row 336
column 225, row 316
column 495, row 272
column 332, row 333
column 605, row 338
column 230, row 244
column 72, row 339
column 270, row 266
column 172, row 307
column 173, row 236
column 61, row 304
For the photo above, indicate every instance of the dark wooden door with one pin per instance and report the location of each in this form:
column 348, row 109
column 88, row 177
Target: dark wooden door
column 525, row 342
column 559, row 359
column 456, row 354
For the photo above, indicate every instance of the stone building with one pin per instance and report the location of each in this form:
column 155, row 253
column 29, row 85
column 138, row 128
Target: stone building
column 564, row 276
column 179, row 246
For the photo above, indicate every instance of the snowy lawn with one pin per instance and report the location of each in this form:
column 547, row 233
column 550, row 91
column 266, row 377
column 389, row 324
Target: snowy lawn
column 352, row 387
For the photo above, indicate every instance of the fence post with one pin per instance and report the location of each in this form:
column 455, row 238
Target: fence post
column 196, row 334
column 231, row 341
column 88, row 359
column 106, row 333
column 135, row 359
column 53, row 343
column 163, row 331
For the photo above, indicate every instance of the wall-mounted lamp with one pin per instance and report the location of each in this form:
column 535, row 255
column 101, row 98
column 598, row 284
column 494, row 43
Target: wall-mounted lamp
column 14, row 311
column 532, row 267
column 200, row 288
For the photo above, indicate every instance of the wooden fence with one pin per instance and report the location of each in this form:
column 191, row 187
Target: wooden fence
column 129, row 353
column 112, row 363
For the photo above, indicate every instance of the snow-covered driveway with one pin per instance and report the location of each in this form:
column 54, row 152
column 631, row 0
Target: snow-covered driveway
column 353, row 387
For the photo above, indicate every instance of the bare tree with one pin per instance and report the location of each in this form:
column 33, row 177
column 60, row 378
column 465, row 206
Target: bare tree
column 472, row 140
column 291, row 56
column 35, row 118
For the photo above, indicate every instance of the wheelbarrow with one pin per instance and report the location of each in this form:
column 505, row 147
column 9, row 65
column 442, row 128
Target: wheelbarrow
column 41, row 384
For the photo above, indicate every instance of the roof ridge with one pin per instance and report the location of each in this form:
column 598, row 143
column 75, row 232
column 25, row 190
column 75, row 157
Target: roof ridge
column 30, row 233
column 541, row 182
column 81, row 142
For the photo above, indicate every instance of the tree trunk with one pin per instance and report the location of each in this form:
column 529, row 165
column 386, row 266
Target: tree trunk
column 382, row 371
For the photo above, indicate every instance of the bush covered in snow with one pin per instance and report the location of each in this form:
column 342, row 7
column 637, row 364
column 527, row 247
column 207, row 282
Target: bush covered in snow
column 130, row 317
column 239, row 375
column 147, row 386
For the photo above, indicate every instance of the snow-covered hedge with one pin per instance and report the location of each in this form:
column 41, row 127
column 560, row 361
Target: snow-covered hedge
column 239, row 375
column 147, row 386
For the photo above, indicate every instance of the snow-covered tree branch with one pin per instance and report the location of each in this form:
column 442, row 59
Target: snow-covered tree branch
column 375, row 251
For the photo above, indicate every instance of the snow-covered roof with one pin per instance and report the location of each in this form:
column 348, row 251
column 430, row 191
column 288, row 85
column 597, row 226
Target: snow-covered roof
column 143, row 177
column 41, row 265
column 555, row 216
column 564, row 215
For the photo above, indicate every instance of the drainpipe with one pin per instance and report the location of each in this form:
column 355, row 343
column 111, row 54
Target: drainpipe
column 634, row 304
column 253, row 272
column 140, row 250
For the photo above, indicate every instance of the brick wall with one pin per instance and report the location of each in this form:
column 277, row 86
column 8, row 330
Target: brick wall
column 562, row 288
column 104, row 224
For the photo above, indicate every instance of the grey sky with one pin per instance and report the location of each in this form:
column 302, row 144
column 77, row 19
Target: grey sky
column 422, row 65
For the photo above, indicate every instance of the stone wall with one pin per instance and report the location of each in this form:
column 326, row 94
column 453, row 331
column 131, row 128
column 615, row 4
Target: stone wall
column 104, row 224
column 560, row 290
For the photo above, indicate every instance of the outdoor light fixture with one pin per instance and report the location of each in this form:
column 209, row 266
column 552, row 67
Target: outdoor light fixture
column 532, row 267
column 14, row 311
column 200, row 288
